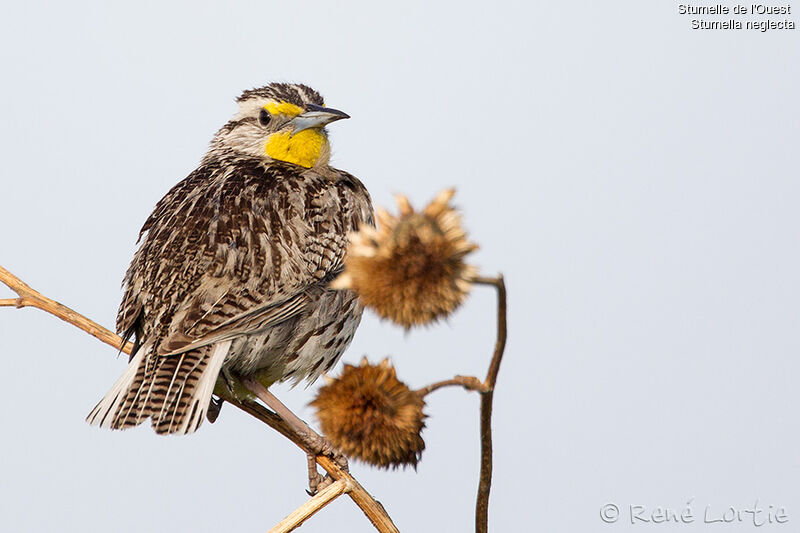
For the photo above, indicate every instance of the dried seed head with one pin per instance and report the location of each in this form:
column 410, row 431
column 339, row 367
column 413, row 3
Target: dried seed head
column 411, row 269
column 372, row 416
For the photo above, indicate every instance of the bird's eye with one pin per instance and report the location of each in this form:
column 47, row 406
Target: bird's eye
column 264, row 117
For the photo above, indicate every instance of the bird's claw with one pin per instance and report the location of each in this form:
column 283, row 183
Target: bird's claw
column 322, row 446
column 319, row 445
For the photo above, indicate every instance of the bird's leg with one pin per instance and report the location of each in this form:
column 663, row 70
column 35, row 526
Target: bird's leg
column 314, row 477
column 316, row 481
column 314, row 443
column 227, row 386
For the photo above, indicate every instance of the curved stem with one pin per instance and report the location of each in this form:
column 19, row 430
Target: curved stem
column 371, row 507
column 502, row 327
column 470, row 383
column 486, row 389
column 485, row 481
column 296, row 518
column 31, row 298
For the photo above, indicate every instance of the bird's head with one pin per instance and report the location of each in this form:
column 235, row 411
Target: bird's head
column 280, row 122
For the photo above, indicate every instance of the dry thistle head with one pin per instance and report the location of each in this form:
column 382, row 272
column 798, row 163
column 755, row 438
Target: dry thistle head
column 372, row 416
column 411, row 269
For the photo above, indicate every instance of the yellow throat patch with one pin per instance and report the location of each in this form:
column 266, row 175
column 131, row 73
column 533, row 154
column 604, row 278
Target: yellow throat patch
column 303, row 148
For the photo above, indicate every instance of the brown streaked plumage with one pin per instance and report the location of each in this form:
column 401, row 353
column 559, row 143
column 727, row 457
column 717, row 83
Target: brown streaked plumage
column 233, row 268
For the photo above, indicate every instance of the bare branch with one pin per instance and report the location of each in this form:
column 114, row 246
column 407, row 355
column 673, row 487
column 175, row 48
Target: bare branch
column 485, row 482
column 32, row 298
column 371, row 508
column 502, row 333
column 470, row 383
column 374, row 511
column 486, row 389
column 296, row 518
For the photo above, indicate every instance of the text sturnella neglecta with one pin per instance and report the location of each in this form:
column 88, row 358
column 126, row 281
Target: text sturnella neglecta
column 231, row 278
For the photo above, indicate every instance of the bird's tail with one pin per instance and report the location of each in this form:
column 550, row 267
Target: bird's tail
column 174, row 391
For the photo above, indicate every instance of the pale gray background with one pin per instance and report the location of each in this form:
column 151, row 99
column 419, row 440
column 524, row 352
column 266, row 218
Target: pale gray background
column 635, row 180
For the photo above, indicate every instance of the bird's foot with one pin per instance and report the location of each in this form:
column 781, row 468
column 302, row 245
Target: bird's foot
column 319, row 445
column 316, row 481
column 313, row 443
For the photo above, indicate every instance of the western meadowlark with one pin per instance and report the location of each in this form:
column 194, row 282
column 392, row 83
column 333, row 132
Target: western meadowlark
column 231, row 277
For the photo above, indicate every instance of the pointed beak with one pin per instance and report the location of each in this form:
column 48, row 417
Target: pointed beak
column 316, row 116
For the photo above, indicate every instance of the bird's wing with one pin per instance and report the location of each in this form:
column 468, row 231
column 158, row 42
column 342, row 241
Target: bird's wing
column 252, row 321
column 234, row 249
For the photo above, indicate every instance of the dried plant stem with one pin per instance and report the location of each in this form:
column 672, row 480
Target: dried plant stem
column 374, row 511
column 470, row 383
column 299, row 426
column 485, row 482
column 371, row 507
column 486, row 390
column 305, row 511
column 31, row 298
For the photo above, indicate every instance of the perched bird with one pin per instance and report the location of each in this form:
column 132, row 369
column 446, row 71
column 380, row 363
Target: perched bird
column 231, row 277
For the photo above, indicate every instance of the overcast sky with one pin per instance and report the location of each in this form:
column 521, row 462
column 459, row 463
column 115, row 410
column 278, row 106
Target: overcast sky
column 634, row 179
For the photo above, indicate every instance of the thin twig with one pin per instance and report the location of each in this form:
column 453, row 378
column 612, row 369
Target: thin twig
column 486, row 389
column 32, row 298
column 371, row 507
column 502, row 328
column 485, row 482
column 296, row 518
column 470, row 383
